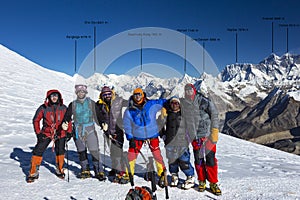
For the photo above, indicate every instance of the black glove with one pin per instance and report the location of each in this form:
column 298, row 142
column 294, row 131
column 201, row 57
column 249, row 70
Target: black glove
column 55, row 137
column 69, row 136
column 132, row 143
column 40, row 136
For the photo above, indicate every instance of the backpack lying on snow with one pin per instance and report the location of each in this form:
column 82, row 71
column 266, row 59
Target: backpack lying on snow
column 140, row 193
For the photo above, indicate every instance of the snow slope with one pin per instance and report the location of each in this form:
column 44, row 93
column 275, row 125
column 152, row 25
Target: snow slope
column 246, row 170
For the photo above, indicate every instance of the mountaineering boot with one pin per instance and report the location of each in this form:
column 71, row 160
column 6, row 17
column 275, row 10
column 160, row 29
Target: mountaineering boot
column 31, row 178
column 34, row 169
column 124, row 179
column 85, row 174
column 189, row 183
column 215, row 189
column 174, row 180
column 121, row 178
column 117, row 178
column 202, row 186
column 59, row 172
column 100, row 176
column 98, row 169
column 85, row 170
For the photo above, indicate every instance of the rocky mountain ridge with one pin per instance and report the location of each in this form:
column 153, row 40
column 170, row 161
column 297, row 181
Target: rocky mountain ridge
column 273, row 120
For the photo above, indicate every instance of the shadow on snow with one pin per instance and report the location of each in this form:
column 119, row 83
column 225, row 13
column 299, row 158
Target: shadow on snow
column 24, row 159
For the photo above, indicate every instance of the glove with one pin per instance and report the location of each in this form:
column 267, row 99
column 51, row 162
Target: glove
column 65, row 126
column 114, row 136
column 40, row 136
column 214, row 136
column 104, row 126
column 163, row 114
column 132, row 143
column 69, row 136
column 55, row 137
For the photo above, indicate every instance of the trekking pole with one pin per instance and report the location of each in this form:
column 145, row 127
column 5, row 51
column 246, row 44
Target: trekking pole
column 53, row 136
column 67, row 155
column 104, row 148
column 143, row 156
column 153, row 180
column 166, row 184
column 202, row 150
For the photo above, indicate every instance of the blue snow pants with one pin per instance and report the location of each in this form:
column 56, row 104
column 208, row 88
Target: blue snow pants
column 181, row 160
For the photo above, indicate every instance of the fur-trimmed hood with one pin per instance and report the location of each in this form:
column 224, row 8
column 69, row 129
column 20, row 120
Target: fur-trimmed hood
column 49, row 92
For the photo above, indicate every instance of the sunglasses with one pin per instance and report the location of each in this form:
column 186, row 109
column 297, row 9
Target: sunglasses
column 175, row 103
column 82, row 91
column 137, row 94
column 54, row 95
column 108, row 94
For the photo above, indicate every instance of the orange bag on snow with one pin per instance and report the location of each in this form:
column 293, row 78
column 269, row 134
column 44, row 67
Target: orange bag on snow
column 140, row 193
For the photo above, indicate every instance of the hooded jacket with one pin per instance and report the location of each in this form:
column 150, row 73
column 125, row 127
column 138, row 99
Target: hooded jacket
column 111, row 114
column 200, row 114
column 140, row 119
column 52, row 116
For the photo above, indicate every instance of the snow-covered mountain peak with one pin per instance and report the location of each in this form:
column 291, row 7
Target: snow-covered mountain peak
column 145, row 75
column 272, row 70
column 271, row 59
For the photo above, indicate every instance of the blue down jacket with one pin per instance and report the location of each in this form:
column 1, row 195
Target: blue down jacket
column 140, row 120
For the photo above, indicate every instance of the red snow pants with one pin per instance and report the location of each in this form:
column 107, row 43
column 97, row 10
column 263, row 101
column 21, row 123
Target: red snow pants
column 154, row 147
column 206, row 163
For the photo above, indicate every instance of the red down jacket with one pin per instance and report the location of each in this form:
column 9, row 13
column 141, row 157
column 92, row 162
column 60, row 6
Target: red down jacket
column 52, row 115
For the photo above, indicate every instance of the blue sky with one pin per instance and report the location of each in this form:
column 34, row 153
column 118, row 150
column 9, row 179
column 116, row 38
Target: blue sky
column 38, row 30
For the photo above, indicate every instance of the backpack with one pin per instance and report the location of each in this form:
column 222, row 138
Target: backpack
column 140, row 193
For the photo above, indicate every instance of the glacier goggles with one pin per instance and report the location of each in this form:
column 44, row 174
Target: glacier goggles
column 55, row 94
column 80, row 88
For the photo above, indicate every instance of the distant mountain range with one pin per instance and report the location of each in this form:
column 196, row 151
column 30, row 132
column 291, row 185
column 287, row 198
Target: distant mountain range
column 256, row 102
column 273, row 69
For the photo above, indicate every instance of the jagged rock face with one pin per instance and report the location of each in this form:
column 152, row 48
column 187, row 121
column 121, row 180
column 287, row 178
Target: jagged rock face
column 284, row 145
column 273, row 119
column 277, row 113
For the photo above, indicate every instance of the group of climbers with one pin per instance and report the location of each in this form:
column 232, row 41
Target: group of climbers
column 192, row 119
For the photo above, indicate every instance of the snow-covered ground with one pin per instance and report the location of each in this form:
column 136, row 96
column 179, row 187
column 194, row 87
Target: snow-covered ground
column 246, row 170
